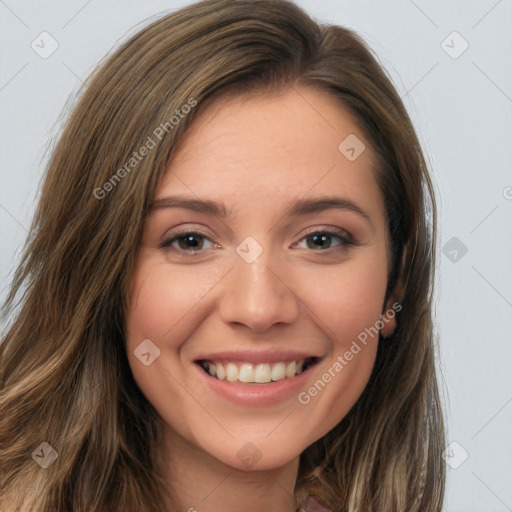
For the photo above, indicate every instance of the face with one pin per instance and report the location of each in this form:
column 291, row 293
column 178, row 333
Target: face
column 261, row 279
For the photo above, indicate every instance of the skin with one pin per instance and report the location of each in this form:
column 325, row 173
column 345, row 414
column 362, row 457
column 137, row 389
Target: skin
column 256, row 155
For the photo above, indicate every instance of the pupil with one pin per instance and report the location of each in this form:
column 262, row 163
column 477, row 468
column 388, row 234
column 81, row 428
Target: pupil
column 320, row 240
column 190, row 241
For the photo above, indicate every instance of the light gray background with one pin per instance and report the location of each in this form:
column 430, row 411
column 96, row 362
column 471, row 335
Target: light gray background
column 462, row 109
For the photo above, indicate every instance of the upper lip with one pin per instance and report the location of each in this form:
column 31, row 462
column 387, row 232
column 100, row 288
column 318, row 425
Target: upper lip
column 257, row 357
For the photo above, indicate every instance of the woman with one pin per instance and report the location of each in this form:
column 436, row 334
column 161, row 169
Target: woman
column 225, row 300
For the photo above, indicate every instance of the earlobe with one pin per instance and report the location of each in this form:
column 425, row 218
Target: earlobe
column 388, row 319
column 389, row 315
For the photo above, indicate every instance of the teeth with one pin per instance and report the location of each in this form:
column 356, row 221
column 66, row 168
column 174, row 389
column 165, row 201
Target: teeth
column 291, row 369
column 246, row 373
column 260, row 374
column 220, row 372
column 231, row 372
column 278, row 372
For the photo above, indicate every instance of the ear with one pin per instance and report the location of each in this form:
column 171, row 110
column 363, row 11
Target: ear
column 392, row 307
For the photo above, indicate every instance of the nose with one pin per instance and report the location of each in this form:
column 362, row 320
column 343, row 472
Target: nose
column 258, row 296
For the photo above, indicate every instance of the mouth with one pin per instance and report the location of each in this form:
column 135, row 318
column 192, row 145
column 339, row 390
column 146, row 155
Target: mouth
column 263, row 373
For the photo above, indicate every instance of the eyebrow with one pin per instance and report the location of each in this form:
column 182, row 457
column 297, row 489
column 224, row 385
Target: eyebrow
column 296, row 208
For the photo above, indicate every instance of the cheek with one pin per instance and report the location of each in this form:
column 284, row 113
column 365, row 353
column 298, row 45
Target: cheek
column 345, row 300
column 347, row 304
column 162, row 299
column 163, row 307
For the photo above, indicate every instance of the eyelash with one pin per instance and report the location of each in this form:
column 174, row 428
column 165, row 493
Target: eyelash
column 344, row 237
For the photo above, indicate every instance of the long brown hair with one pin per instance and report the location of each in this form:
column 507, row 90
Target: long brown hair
column 65, row 374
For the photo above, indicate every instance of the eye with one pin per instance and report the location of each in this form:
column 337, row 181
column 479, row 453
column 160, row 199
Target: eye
column 323, row 239
column 188, row 241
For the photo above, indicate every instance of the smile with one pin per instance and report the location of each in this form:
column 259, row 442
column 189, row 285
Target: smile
column 262, row 373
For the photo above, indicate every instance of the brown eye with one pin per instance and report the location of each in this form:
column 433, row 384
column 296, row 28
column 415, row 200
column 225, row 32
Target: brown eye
column 325, row 239
column 194, row 242
column 319, row 241
column 187, row 242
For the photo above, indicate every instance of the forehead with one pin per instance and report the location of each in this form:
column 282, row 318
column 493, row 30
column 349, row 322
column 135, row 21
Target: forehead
column 285, row 144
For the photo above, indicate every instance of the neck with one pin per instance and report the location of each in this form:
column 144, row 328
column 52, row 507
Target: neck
column 197, row 482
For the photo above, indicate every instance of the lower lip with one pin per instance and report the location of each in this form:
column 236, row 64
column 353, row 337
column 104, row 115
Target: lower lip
column 257, row 394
